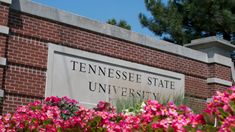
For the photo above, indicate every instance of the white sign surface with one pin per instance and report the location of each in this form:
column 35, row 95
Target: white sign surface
column 90, row 77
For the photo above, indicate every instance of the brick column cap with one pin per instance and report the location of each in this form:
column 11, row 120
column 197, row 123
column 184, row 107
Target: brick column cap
column 212, row 45
column 6, row 1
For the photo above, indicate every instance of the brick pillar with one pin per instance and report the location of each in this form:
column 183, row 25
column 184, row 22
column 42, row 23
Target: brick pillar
column 4, row 32
column 220, row 78
column 219, row 65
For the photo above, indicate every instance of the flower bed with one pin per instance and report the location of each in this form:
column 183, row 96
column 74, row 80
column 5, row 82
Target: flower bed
column 64, row 114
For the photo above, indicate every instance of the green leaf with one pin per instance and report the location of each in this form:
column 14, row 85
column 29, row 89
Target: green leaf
column 94, row 122
column 59, row 129
column 46, row 122
column 118, row 119
column 155, row 118
column 170, row 129
column 149, row 128
column 209, row 119
column 223, row 113
column 232, row 105
column 36, row 108
column 190, row 129
column 98, row 129
column 232, row 129
column 210, row 128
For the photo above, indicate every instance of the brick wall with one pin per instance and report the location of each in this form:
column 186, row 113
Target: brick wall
column 11, row 101
column 3, row 41
column 4, row 15
column 25, row 48
column 4, row 11
column 27, row 52
column 219, row 71
column 196, row 87
column 196, row 104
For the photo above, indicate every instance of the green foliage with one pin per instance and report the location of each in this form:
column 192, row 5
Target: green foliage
column 121, row 23
column 224, row 114
column 232, row 105
column 134, row 105
column 68, row 110
column 130, row 104
column 210, row 120
column 184, row 20
column 94, row 124
column 67, row 106
column 177, row 99
column 232, row 129
column 46, row 122
column 203, row 128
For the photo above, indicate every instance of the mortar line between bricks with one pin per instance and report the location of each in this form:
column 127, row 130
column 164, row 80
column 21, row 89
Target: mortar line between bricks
column 36, row 38
column 26, row 66
column 23, row 95
column 195, row 96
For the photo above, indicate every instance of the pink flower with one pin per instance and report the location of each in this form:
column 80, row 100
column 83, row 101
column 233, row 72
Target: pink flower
column 7, row 117
column 228, row 124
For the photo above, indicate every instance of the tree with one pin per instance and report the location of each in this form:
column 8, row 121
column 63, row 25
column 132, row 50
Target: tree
column 121, row 23
column 180, row 21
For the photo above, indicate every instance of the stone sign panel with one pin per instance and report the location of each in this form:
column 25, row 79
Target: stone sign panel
column 90, row 77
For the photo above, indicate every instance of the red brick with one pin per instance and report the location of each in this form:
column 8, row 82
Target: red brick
column 216, row 87
column 220, row 71
column 25, row 81
column 3, row 41
column 196, row 87
column 4, row 11
column 197, row 105
column 11, row 102
column 27, row 51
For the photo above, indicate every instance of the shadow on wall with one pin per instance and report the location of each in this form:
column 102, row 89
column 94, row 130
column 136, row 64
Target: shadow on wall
column 14, row 18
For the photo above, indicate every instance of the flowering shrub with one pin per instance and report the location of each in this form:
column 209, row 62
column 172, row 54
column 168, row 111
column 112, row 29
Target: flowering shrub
column 222, row 110
column 67, row 106
column 49, row 115
column 104, row 106
column 64, row 114
column 169, row 117
column 34, row 117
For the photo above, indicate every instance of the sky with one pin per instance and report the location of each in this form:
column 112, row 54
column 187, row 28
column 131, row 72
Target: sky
column 102, row 10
